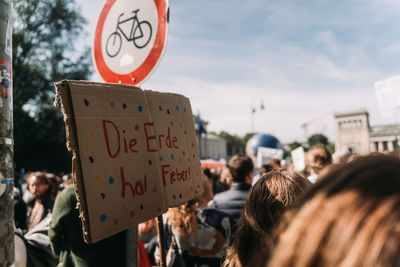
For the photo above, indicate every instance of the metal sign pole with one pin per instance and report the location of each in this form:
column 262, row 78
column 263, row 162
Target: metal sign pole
column 6, row 138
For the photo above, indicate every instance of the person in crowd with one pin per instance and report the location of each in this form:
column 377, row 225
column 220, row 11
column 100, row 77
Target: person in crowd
column 316, row 159
column 226, row 177
column 232, row 201
column 67, row 238
column 43, row 198
column 264, row 169
column 275, row 164
column 349, row 218
column 275, row 192
column 214, row 178
column 148, row 234
column 201, row 234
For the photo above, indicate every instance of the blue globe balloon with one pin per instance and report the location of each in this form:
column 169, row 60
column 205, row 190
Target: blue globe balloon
column 261, row 140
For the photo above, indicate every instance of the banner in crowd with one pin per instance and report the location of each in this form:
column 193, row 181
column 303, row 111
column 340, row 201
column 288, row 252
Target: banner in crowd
column 134, row 153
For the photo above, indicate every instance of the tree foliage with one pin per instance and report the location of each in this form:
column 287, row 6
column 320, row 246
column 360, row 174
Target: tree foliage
column 317, row 139
column 44, row 38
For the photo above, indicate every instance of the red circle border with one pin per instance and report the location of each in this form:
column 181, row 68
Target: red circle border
column 150, row 62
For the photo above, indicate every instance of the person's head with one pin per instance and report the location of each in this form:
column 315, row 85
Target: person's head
column 275, row 164
column 267, row 200
column 349, row 218
column 264, row 169
column 38, row 184
column 241, row 168
column 226, row 177
column 317, row 158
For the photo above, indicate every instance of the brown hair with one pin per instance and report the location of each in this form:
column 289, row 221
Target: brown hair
column 317, row 158
column 240, row 166
column 349, row 218
column 267, row 200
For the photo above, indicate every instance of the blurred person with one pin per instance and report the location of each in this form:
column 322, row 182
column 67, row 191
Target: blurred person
column 264, row 169
column 275, row 192
column 226, row 177
column 316, row 159
column 232, row 201
column 349, row 218
column 214, row 178
column 43, row 199
column 148, row 235
column 67, row 242
column 275, row 164
column 201, row 234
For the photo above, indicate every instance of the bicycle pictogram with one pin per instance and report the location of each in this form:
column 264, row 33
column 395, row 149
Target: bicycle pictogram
column 139, row 33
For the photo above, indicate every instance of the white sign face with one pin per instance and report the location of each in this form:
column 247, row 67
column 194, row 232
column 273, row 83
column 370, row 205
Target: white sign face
column 298, row 159
column 388, row 94
column 264, row 154
column 128, row 34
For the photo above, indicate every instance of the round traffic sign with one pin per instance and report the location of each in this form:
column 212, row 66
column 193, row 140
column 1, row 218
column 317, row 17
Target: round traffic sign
column 130, row 39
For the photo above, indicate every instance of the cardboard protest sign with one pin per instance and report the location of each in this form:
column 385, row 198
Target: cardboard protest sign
column 135, row 153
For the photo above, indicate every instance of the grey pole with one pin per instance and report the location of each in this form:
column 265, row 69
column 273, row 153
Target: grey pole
column 6, row 138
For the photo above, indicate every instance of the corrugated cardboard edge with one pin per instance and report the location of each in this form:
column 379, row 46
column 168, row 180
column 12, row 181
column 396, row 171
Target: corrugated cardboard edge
column 63, row 96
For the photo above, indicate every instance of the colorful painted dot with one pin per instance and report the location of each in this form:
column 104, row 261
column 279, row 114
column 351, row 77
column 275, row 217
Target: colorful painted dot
column 150, row 162
column 93, row 136
column 184, row 109
column 136, row 164
column 195, row 192
column 180, row 160
column 102, row 195
column 172, row 156
column 141, row 207
column 86, row 102
column 161, row 158
column 194, row 155
column 111, row 180
column 184, row 153
column 124, row 106
column 172, row 123
column 102, row 105
column 124, row 207
column 103, row 218
column 174, row 196
column 132, row 213
column 180, row 195
column 177, row 108
column 155, row 189
column 151, row 104
column 112, row 104
column 185, row 132
column 168, row 111
column 98, row 178
column 160, row 107
column 140, row 108
column 91, row 159
column 192, row 144
column 136, row 127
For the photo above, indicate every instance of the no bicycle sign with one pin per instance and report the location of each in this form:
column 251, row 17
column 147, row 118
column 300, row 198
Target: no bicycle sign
column 130, row 39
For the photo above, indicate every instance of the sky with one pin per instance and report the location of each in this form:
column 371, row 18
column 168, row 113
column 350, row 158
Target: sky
column 304, row 60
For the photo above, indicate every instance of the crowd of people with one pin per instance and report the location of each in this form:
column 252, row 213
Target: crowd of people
column 337, row 212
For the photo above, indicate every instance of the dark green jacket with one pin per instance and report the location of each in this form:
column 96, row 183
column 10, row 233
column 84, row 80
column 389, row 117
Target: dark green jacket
column 67, row 239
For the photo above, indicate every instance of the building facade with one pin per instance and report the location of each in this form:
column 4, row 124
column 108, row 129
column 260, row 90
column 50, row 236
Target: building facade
column 354, row 134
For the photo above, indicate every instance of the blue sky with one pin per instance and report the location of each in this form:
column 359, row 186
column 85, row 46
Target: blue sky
column 304, row 59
